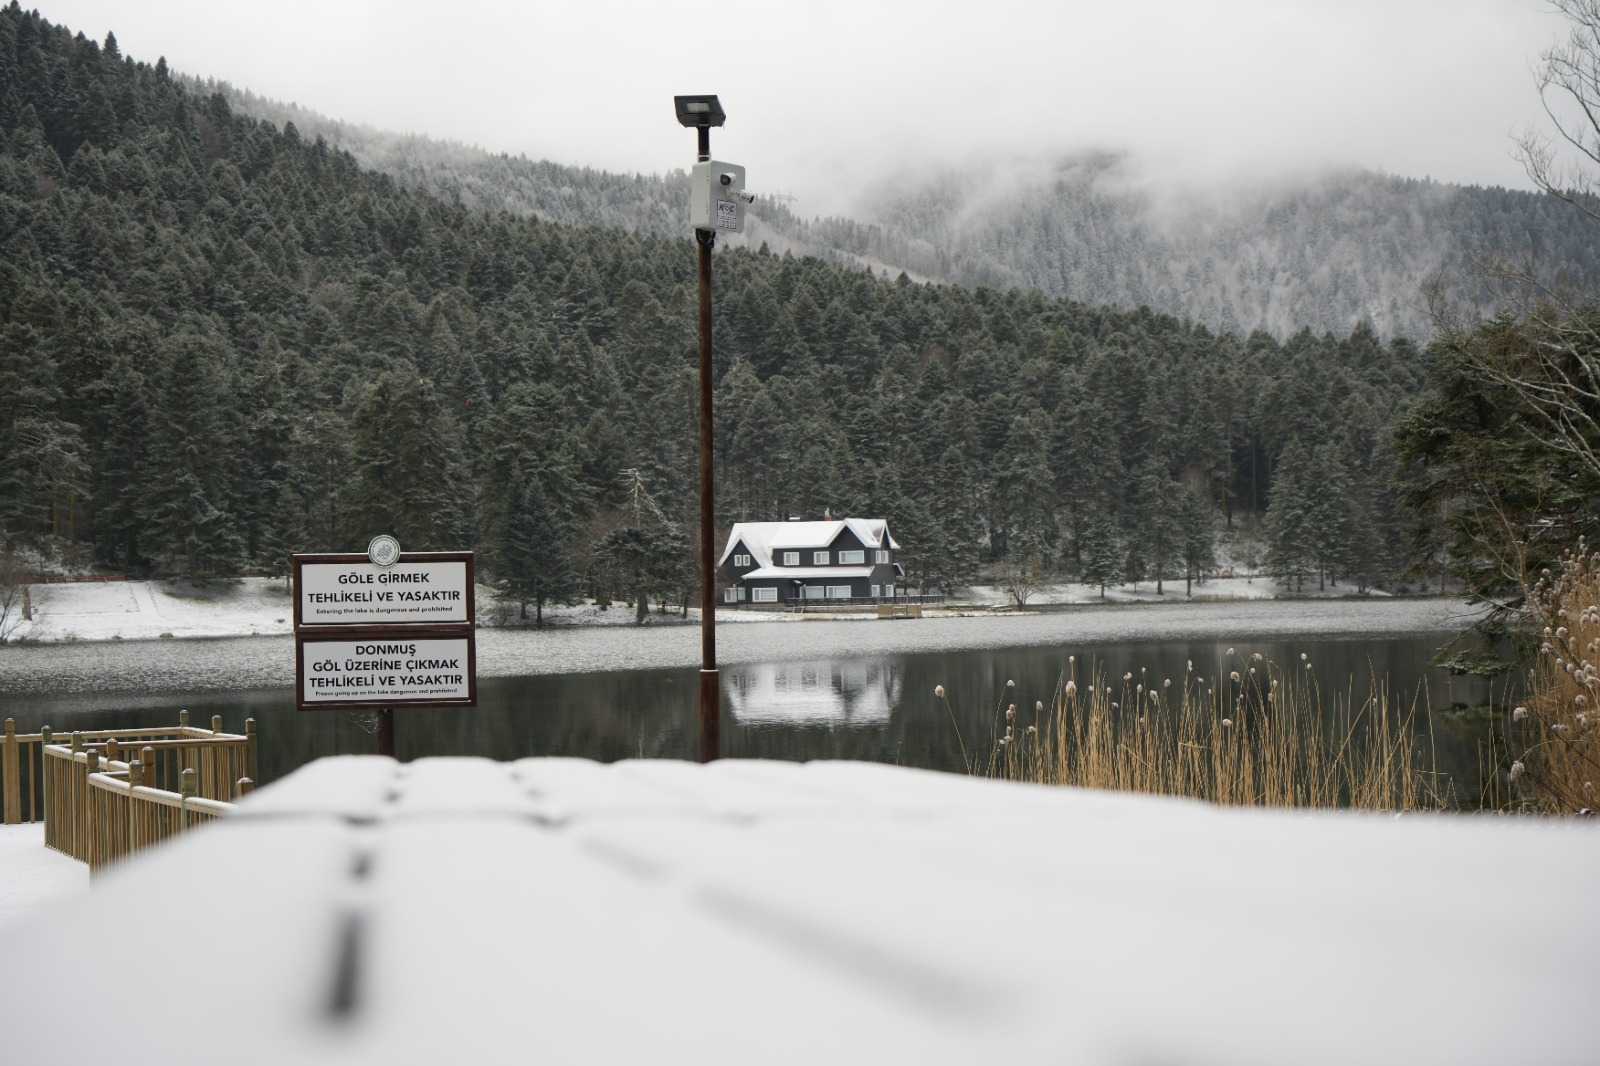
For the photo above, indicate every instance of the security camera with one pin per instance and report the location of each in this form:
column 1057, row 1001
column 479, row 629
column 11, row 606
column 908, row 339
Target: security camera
column 727, row 179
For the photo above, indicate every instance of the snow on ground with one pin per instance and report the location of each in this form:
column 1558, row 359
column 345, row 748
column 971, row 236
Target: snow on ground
column 255, row 606
column 147, row 610
column 33, row 876
column 460, row 910
column 1214, row 589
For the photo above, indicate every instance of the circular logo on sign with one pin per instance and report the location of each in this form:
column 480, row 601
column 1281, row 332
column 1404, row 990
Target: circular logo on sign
column 383, row 551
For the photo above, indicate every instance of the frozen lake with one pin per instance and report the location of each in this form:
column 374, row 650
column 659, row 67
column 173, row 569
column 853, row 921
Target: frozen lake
column 169, row 667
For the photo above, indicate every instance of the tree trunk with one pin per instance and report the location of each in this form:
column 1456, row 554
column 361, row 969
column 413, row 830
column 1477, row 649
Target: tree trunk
column 641, row 608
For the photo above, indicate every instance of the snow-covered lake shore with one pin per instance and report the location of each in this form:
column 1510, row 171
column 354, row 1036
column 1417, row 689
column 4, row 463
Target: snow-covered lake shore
column 153, row 610
column 117, row 661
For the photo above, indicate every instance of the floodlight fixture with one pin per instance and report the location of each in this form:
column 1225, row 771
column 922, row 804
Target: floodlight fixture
column 699, row 110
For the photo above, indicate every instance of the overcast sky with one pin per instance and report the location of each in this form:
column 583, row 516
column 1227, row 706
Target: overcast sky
column 823, row 96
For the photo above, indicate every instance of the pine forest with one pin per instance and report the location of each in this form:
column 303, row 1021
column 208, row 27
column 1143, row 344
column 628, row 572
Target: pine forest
column 223, row 341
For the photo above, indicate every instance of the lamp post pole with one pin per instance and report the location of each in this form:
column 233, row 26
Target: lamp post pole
column 702, row 118
column 710, row 679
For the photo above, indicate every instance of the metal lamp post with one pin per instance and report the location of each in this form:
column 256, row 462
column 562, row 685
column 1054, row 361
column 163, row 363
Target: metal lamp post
column 701, row 113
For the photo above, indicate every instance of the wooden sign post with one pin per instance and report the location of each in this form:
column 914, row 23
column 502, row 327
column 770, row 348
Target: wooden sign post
column 383, row 630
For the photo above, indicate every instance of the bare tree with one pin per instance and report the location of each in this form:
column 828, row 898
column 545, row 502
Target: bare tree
column 15, row 605
column 1557, row 373
column 1568, row 77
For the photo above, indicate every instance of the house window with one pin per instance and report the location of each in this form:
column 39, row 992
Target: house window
column 875, row 592
column 815, row 592
column 791, row 558
column 741, row 560
column 838, row 592
column 880, row 556
column 819, row 558
column 763, row 595
column 852, row 558
column 730, row 595
column 888, row 592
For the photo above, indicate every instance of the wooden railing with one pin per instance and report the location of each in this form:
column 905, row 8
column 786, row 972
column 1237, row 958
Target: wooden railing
column 96, row 808
column 21, row 794
column 124, row 815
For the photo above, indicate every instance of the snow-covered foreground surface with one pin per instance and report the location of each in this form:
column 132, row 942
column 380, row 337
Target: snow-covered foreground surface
column 33, row 876
column 458, row 910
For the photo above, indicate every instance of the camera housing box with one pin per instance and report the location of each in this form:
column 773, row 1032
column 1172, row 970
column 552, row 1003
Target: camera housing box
column 717, row 198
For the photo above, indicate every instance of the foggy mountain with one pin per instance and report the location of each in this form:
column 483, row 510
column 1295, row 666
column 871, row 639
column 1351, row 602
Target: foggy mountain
column 1327, row 251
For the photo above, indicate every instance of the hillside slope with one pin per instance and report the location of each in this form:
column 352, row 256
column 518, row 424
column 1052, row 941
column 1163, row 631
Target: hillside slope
column 1327, row 250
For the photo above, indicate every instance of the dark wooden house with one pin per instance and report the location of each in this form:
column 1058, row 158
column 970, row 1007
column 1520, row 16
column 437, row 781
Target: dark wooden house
column 837, row 560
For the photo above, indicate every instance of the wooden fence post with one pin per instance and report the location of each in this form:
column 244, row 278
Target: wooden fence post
column 186, row 790
column 11, row 773
column 80, row 800
column 183, row 719
column 41, row 787
column 135, row 780
column 216, row 724
column 251, row 769
column 244, row 787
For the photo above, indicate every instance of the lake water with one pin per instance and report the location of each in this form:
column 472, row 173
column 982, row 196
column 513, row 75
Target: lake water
column 791, row 690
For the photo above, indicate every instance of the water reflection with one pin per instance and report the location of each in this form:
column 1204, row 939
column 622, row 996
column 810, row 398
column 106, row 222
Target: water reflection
column 848, row 692
column 878, row 705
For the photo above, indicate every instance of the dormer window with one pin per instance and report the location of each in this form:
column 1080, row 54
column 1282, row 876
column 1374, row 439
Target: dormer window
column 819, row 558
column 791, row 558
column 881, row 556
column 741, row 560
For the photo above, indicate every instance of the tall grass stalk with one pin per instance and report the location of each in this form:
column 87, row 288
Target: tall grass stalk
column 1556, row 730
column 1257, row 734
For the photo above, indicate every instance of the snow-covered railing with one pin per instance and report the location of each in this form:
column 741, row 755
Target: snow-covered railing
column 207, row 764
column 125, row 816
column 660, row 911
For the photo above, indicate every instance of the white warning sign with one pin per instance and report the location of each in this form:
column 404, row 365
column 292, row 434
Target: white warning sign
column 389, row 670
column 359, row 593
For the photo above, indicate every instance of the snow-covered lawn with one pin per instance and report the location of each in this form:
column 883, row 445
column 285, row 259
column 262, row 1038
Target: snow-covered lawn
column 1214, row 589
column 147, row 610
column 559, row 910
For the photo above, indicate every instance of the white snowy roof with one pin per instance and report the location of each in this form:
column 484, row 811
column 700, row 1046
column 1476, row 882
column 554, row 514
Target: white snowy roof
column 764, row 538
column 561, row 910
column 803, row 572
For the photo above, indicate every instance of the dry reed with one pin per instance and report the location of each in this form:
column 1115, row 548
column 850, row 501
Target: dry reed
column 1254, row 734
column 1554, row 730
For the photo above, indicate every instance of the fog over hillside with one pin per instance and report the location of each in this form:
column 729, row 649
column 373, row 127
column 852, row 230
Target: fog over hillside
column 1326, row 249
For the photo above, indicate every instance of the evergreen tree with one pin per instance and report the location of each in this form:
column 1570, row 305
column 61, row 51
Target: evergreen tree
column 409, row 480
column 187, row 506
column 1291, row 520
column 1102, row 552
column 534, row 561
